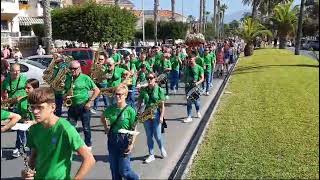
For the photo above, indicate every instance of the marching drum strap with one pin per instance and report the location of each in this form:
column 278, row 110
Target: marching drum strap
column 118, row 120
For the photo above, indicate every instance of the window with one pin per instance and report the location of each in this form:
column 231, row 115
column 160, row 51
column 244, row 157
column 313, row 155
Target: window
column 24, row 68
column 4, row 25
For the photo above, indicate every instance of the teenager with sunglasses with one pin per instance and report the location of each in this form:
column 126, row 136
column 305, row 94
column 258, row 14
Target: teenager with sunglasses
column 52, row 141
column 81, row 84
column 114, row 118
column 153, row 95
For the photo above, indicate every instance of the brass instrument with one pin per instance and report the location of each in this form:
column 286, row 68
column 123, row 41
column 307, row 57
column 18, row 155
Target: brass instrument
column 48, row 74
column 68, row 101
column 148, row 113
column 8, row 103
column 107, row 91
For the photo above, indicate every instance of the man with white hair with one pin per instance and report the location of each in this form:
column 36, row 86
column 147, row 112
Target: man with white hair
column 117, row 75
column 80, row 84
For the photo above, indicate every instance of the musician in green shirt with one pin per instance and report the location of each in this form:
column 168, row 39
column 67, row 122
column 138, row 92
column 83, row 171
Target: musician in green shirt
column 193, row 77
column 208, row 63
column 117, row 117
column 152, row 98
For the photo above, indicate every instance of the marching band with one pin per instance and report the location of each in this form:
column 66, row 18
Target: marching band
column 132, row 92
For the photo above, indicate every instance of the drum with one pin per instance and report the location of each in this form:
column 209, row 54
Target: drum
column 162, row 78
column 194, row 94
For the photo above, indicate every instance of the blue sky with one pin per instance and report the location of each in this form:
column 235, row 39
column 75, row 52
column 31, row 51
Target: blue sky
column 192, row 6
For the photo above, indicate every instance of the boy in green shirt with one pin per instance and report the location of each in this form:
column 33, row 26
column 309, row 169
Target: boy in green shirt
column 174, row 74
column 52, row 141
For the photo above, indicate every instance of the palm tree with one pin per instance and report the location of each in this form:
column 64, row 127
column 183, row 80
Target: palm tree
column 215, row 4
column 200, row 15
column 223, row 9
column 203, row 15
column 255, row 4
column 155, row 13
column 173, row 3
column 285, row 19
column 249, row 30
column 47, row 25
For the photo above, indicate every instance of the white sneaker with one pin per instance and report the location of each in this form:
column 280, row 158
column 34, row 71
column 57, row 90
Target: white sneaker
column 149, row 159
column 174, row 92
column 16, row 153
column 207, row 94
column 93, row 111
column 167, row 97
column 189, row 119
column 199, row 115
column 163, row 153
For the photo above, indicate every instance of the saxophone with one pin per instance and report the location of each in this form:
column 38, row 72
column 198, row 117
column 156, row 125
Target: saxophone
column 68, row 101
column 148, row 113
column 25, row 160
column 107, row 91
column 58, row 82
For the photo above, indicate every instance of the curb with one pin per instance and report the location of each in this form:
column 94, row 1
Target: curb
column 182, row 167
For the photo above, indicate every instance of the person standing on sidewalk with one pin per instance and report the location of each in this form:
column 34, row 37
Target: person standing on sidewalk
column 174, row 73
column 208, row 63
column 116, row 117
column 153, row 96
column 80, row 84
column 52, row 141
column 193, row 77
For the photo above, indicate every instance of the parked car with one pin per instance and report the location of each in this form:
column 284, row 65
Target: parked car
column 83, row 55
column 45, row 60
column 314, row 44
column 124, row 51
column 30, row 69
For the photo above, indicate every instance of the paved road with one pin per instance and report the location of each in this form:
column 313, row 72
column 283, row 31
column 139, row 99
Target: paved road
column 176, row 138
column 306, row 53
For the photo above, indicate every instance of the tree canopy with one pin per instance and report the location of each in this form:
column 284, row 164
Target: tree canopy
column 92, row 22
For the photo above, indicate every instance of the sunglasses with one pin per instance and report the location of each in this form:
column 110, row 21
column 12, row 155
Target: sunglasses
column 109, row 65
column 73, row 68
column 119, row 94
column 101, row 59
column 150, row 78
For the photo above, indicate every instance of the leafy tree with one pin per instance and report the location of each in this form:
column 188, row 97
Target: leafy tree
column 285, row 20
column 92, row 22
column 310, row 25
column 166, row 30
column 249, row 30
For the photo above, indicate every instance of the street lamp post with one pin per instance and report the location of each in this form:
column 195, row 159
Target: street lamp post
column 299, row 31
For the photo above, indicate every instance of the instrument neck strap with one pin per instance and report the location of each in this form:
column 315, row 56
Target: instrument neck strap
column 118, row 119
column 16, row 85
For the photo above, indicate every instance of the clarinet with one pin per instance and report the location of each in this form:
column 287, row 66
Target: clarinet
column 25, row 160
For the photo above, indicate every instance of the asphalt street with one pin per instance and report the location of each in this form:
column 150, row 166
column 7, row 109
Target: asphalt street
column 306, row 53
column 176, row 138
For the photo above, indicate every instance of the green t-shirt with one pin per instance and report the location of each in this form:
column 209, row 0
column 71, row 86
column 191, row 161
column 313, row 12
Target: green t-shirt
column 157, row 62
column 116, row 77
column 54, row 147
column 23, row 109
column 135, row 61
column 116, row 57
column 164, row 64
column 151, row 61
column 4, row 115
column 142, row 76
column 200, row 61
column 81, row 87
column 175, row 64
column 151, row 96
column 182, row 56
column 208, row 63
column 14, row 89
column 125, row 121
column 148, row 67
column 193, row 74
